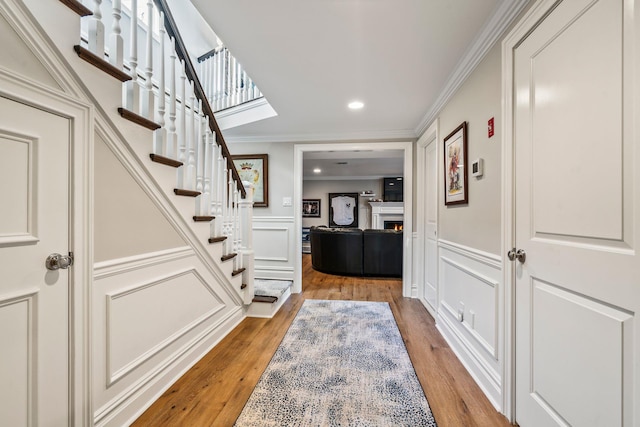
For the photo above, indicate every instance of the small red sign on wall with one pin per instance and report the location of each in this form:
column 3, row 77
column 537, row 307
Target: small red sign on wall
column 490, row 128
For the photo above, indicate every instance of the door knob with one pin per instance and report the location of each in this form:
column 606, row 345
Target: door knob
column 519, row 255
column 57, row 261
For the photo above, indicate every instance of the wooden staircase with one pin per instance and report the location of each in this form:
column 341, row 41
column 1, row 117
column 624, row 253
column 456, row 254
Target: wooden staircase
column 220, row 220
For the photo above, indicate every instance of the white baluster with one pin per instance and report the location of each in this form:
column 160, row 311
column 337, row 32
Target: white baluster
column 245, row 88
column 208, row 168
column 132, row 88
column 182, row 127
column 192, row 142
column 246, row 252
column 116, row 43
column 236, row 226
column 160, row 135
column 215, row 179
column 219, row 79
column 96, row 30
column 171, row 128
column 147, row 108
column 200, row 143
column 229, row 222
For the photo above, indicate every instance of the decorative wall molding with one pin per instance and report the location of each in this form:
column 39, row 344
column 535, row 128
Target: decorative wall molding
column 491, row 32
column 137, row 262
column 277, row 219
column 487, row 258
column 470, row 279
column 179, row 362
column 116, row 374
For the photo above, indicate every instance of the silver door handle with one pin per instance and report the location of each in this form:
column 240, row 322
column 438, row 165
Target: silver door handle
column 518, row 254
column 57, row 261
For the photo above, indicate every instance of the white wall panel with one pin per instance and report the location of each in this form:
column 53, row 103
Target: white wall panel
column 138, row 329
column 273, row 247
column 470, row 312
column 154, row 316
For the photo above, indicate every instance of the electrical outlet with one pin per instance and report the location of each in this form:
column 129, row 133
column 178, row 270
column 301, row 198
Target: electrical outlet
column 472, row 319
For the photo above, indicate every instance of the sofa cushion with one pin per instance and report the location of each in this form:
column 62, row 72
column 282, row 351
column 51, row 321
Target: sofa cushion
column 382, row 253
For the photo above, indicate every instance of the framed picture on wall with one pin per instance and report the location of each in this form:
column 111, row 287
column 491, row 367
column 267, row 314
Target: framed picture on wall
column 311, row 208
column 455, row 166
column 343, row 210
column 255, row 169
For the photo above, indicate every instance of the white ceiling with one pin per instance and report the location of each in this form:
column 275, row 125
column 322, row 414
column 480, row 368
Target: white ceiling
column 311, row 57
column 353, row 164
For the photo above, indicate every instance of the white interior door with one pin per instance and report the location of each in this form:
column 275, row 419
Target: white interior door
column 577, row 201
column 34, row 301
column 431, row 226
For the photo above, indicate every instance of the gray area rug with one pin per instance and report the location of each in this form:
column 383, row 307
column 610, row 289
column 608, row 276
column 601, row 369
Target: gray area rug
column 341, row 363
column 270, row 288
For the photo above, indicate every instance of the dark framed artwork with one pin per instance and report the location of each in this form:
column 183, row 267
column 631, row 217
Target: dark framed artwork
column 311, row 208
column 255, row 169
column 455, row 167
column 343, row 210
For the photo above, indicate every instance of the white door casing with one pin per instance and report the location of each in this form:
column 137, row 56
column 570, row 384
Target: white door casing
column 574, row 89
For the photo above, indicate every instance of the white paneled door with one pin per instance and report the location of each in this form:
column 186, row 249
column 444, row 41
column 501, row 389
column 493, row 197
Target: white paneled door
column 431, row 227
column 34, row 301
column 577, row 221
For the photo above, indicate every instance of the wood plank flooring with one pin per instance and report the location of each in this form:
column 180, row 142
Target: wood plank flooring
column 215, row 390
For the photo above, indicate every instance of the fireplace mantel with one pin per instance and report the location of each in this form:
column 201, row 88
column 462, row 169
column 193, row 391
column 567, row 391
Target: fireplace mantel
column 385, row 211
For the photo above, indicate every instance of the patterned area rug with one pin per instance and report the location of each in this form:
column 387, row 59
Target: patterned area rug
column 341, row 363
column 270, row 288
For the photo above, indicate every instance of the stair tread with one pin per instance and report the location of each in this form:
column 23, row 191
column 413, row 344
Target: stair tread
column 228, row 257
column 203, row 218
column 217, row 239
column 165, row 160
column 77, row 7
column 188, row 193
column 238, row 271
column 100, row 63
column 264, row 298
column 138, row 119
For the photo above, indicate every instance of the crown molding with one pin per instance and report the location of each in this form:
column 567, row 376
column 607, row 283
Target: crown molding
column 383, row 135
column 493, row 29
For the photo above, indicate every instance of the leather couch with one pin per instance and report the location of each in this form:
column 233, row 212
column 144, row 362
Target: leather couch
column 354, row 252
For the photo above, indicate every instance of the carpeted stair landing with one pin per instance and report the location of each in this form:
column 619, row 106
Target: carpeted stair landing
column 269, row 297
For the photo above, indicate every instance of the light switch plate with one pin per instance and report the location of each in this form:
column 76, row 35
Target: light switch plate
column 286, row 201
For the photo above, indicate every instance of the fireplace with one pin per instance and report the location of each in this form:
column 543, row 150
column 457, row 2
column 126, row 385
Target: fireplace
column 383, row 212
column 393, row 225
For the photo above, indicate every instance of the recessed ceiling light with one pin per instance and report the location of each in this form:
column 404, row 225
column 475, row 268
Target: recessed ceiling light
column 317, row 170
column 356, row 105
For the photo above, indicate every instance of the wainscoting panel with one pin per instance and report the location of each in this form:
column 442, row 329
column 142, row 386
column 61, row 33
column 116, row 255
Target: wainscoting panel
column 274, row 247
column 154, row 316
column 470, row 312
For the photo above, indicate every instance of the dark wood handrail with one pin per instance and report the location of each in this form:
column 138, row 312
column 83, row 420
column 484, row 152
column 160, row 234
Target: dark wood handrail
column 172, row 31
column 209, row 54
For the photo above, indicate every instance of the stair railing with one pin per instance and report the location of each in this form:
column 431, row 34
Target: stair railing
column 225, row 81
column 179, row 110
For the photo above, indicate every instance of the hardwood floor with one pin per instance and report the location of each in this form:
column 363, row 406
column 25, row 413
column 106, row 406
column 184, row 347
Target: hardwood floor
column 215, row 390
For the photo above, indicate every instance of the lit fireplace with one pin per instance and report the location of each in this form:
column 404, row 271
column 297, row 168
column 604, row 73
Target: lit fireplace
column 393, row 225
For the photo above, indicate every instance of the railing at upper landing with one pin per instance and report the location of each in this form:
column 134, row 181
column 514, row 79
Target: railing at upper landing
column 225, row 81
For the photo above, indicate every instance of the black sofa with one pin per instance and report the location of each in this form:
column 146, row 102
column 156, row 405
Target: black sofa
column 354, row 252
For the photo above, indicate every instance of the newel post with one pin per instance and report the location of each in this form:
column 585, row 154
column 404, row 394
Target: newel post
column 246, row 250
